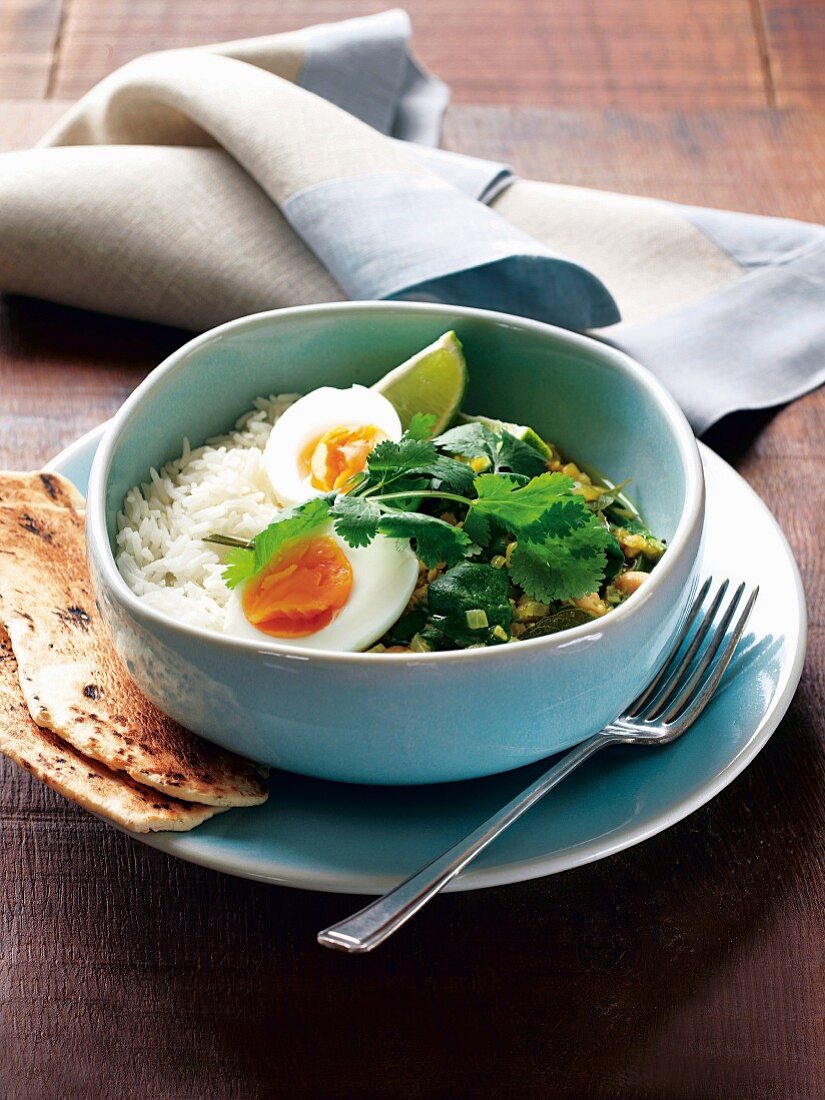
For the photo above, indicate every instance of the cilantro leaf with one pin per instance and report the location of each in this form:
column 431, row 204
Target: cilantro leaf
column 295, row 523
column 390, row 462
column 516, row 455
column 500, row 448
column 614, row 558
column 561, row 517
column 455, row 477
column 421, row 425
column 562, row 568
column 473, row 440
column 477, row 526
column 525, row 509
column 389, row 459
column 435, row 540
column 239, row 565
column 356, row 519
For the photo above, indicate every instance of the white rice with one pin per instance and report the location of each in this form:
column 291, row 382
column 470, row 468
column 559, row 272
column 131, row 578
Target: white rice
column 218, row 488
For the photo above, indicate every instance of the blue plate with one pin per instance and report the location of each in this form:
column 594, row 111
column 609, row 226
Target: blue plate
column 333, row 836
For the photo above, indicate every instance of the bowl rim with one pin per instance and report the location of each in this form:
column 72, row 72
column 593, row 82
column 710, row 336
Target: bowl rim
column 611, row 624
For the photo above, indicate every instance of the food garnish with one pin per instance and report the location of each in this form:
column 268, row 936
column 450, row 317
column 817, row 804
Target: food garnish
column 558, row 546
column 424, row 500
column 432, row 381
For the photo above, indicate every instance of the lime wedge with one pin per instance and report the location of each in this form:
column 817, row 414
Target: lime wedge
column 433, row 381
column 520, row 431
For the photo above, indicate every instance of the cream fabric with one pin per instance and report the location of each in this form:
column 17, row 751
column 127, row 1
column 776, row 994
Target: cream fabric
column 94, row 118
column 651, row 259
column 195, row 186
column 182, row 223
column 286, row 138
column 161, row 195
column 181, row 236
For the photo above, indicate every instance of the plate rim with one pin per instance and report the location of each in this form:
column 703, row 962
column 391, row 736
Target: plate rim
column 192, row 849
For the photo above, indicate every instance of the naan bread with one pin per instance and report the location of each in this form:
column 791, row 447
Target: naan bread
column 112, row 795
column 72, row 680
column 18, row 488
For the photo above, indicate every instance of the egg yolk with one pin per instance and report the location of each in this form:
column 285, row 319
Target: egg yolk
column 301, row 590
column 341, row 452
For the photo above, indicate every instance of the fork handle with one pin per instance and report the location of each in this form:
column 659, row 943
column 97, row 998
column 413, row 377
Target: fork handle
column 371, row 925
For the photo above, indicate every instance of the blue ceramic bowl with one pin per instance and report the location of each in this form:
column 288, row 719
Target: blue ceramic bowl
column 417, row 718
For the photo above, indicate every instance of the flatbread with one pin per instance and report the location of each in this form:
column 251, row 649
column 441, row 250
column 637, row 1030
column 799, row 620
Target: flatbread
column 72, row 680
column 39, row 486
column 112, row 795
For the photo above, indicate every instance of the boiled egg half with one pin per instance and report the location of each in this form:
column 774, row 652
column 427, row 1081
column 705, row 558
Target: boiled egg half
column 320, row 593
column 325, row 438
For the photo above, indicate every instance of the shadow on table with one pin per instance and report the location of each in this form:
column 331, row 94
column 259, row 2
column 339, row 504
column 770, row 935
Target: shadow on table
column 36, row 330
column 734, row 435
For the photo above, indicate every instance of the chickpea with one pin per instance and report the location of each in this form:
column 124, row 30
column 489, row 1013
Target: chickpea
column 629, row 582
column 592, row 603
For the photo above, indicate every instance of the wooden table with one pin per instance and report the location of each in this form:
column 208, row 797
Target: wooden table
column 690, row 967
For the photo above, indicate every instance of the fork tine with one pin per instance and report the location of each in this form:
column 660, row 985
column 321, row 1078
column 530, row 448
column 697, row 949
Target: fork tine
column 695, row 672
column 690, row 704
column 674, row 679
column 653, row 686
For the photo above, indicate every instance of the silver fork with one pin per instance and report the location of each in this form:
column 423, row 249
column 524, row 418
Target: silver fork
column 668, row 706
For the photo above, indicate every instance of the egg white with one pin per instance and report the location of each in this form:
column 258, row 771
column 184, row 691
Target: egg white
column 306, row 421
column 384, row 575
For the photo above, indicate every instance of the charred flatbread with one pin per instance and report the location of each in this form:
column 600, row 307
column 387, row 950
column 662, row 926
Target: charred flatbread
column 112, row 795
column 41, row 486
column 72, row 680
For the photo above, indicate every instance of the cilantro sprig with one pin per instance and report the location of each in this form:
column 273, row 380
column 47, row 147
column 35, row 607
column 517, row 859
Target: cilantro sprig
column 396, row 465
column 498, row 448
column 292, row 525
column 358, row 519
column 561, row 544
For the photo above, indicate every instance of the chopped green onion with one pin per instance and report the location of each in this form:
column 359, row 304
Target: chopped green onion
column 530, row 609
column 477, row 619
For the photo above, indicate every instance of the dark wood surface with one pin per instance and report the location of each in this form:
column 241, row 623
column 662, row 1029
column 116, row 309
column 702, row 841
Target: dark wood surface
column 689, row 967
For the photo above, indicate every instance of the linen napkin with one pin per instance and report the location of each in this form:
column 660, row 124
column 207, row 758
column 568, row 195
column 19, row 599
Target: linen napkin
column 193, row 186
